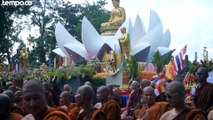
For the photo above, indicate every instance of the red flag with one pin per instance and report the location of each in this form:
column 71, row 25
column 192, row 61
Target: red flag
column 60, row 62
column 184, row 50
column 70, row 59
column 178, row 61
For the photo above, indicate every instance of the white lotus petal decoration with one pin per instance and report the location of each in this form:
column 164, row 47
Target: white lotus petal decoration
column 61, row 38
column 139, row 31
column 143, row 44
column 91, row 38
column 59, row 52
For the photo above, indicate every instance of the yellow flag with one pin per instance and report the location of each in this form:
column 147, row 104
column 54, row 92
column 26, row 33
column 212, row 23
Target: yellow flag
column 170, row 73
column 54, row 65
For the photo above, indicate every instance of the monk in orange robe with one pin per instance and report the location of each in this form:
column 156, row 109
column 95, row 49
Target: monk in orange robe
column 35, row 103
column 150, row 110
column 71, row 108
column 15, row 108
column 175, row 93
column 18, row 106
column 109, row 106
column 5, row 106
column 84, row 97
column 204, row 91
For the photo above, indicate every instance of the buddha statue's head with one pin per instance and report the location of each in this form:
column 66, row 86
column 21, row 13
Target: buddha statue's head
column 115, row 3
column 123, row 29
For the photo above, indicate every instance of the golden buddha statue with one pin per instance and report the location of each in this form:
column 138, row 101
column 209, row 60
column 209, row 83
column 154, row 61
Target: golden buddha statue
column 23, row 58
column 43, row 66
column 117, row 18
column 125, row 44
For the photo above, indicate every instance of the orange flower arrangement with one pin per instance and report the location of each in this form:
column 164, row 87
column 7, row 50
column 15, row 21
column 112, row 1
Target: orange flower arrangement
column 147, row 75
column 100, row 75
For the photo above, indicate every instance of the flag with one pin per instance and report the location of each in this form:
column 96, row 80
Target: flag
column 50, row 63
column 70, row 59
column 177, row 61
column 170, row 72
column 60, row 62
column 160, row 84
column 54, row 63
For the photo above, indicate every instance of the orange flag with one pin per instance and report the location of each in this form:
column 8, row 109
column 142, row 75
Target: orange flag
column 170, row 73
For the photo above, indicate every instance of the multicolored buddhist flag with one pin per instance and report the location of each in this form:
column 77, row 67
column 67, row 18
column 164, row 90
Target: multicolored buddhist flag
column 160, row 84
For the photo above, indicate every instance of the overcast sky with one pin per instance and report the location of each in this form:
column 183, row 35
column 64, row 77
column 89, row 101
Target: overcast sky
column 190, row 21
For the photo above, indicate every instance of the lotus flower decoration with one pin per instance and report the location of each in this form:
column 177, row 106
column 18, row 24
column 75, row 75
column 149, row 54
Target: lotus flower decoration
column 143, row 43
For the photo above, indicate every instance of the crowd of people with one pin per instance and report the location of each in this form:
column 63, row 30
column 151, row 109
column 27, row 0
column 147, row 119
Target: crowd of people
column 35, row 101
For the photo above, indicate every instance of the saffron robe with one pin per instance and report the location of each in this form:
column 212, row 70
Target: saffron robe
column 15, row 116
column 19, row 109
column 93, row 114
column 154, row 112
column 204, row 97
column 55, row 115
column 73, row 111
column 187, row 114
column 112, row 110
column 51, row 114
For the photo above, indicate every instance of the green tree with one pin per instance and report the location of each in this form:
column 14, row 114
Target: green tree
column 9, row 29
column 45, row 14
column 44, row 17
column 95, row 13
column 160, row 61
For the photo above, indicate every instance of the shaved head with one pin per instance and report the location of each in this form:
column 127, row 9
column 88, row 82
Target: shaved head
column 144, row 83
column 135, row 84
column 88, row 83
column 34, row 99
column 67, row 87
column 149, row 89
column 104, row 90
column 203, row 70
column 88, row 92
column 149, row 95
column 102, row 93
column 33, row 85
column 10, row 94
column 65, row 98
column 5, row 106
column 84, row 95
column 65, row 94
column 176, row 87
column 202, row 75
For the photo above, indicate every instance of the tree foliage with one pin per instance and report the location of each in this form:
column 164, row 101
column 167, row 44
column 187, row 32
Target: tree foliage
column 45, row 16
column 160, row 61
column 42, row 18
column 9, row 29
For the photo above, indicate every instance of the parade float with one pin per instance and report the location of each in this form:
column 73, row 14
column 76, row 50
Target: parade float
column 143, row 44
column 107, row 60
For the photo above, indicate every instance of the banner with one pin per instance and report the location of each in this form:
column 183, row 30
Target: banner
column 170, row 72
